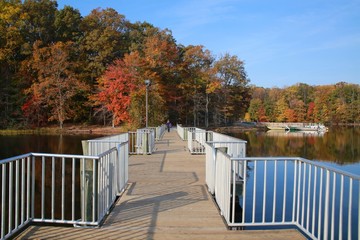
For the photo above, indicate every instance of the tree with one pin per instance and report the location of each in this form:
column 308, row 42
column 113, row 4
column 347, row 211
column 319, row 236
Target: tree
column 116, row 88
column 39, row 21
column 195, row 68
column 310, row 112
column 67, row 24
column 254, row 109
column 235, row 93
column 104, row 40
column 56, row 82
column 11, row 40
column 322, row 103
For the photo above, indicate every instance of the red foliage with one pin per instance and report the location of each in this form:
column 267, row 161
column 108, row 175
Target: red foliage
column 116, row 88
column 310, row 112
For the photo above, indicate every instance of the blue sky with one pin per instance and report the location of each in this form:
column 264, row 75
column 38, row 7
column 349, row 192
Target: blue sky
column 282, row 42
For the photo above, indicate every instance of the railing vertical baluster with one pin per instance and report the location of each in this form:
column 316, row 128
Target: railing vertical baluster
column 33, row 187
column 303, row 195
column 350, row 208
column 42, row 187
column 298, row 194
column 274, row 192
column 264, row 192
column 326, row 210
column 73, row 190
column 233, row 193
column 294, row 191
column 104, row 185
column 52, row 188
column 23, row 189
column 28, row 203
column 94, row 193
column 244, row 191
column 3, row 194
column 99, row 185
column 308, row 199
column 333, row 207
column 320, row 203
column 17, row 193
column 10, row 209
column 314, row 201
column 62, row 188
column 82, row 187
column 254, row 192
column 341, row 207
column 284, row 192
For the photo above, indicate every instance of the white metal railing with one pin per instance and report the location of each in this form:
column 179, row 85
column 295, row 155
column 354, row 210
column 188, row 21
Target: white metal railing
column 236, row 148
column 142, row 141
column 47, row 188
column 196, row 140
column 322, row 202
column 158, row 131
column 183, row 131
column 96, row 146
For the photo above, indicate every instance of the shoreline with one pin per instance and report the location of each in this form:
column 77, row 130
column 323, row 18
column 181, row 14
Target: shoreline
column 73, row 129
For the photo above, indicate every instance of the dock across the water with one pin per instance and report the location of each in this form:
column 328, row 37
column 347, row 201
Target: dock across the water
column 166, row 198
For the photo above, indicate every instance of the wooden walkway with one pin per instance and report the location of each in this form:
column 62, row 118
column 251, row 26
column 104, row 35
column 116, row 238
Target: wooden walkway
column 166, row 199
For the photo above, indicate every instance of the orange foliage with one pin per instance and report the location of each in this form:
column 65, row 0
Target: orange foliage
column 116, row 88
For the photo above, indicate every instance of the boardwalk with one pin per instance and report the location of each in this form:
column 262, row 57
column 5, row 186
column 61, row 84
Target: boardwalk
column 166, row 199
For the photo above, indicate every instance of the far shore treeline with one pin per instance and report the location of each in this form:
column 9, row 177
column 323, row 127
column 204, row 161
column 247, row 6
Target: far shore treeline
column 57, row 66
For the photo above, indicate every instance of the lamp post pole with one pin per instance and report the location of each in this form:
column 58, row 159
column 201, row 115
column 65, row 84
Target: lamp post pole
column 147, row 83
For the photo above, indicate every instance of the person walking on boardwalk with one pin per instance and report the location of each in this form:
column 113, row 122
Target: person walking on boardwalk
column 168, row 125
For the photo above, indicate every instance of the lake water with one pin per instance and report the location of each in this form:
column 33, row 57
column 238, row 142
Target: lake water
column 14, row 145
column 339, row 147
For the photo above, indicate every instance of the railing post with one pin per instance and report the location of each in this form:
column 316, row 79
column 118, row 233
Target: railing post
column 86, row 184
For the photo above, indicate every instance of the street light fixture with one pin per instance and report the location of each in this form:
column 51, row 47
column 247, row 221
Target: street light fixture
column 147, row 83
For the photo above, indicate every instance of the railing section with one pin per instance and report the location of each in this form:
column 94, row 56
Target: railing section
column 142, row 141
column 60, row 188
column 196, row 140
column 260, row 192
column 235, row 147
column 183, row 131
column 158, row 131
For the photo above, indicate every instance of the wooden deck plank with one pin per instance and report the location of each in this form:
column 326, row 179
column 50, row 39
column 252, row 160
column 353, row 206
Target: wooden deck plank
column 166, row 199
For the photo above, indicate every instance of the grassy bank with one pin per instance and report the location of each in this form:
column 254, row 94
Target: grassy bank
column 73, row 129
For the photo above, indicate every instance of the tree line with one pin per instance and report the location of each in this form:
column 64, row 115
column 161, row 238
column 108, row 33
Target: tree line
column 330, row 104
column 57, row 66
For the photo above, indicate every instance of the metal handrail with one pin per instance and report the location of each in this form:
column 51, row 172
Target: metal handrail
column 44, row 179
column 322, row 201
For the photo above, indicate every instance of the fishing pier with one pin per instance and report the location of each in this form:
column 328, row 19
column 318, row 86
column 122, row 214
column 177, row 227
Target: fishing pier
column 184, row 184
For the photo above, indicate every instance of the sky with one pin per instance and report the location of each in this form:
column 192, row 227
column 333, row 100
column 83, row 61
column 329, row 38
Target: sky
column 281, row 42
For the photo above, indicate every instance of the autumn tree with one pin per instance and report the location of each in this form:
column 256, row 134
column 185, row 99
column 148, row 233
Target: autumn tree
column 104, row 39
column 115, row 90
column 67, row 24
column 11, row 41
column 254, row 109
column 56, row 82
column 195, row 71
column 39, row 21
column 235, row 92
column 160, row 54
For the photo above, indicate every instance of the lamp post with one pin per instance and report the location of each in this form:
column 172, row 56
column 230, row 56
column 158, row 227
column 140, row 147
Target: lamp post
column 147, row 83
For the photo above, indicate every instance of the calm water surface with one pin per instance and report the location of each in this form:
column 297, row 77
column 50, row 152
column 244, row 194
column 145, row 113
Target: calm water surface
column 14, row 145
column 339, row 147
